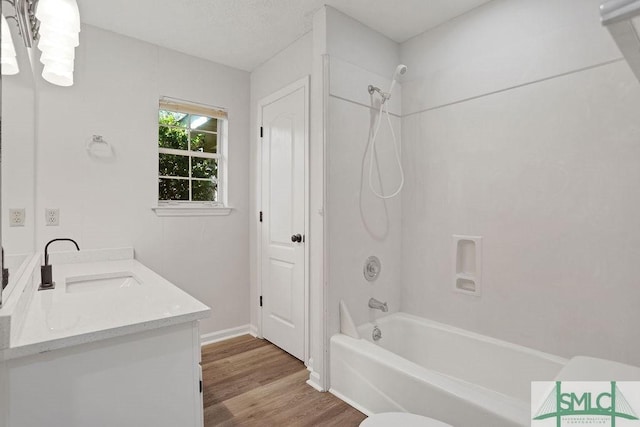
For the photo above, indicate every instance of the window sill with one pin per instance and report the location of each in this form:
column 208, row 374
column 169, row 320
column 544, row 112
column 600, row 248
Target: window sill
column 173, row 210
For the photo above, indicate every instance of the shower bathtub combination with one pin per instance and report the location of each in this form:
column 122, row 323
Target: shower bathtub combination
column 439, row 371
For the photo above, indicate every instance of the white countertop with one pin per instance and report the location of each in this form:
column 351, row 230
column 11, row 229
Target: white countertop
column 59, row 318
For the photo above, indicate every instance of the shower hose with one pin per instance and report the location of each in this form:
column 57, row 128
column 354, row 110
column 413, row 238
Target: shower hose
column 372, row 148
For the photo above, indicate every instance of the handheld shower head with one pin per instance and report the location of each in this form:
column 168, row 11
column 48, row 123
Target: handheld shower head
column 400, row 70
column 371, row 147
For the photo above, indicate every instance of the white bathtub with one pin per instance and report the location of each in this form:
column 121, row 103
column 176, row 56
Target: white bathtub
column 428, row 368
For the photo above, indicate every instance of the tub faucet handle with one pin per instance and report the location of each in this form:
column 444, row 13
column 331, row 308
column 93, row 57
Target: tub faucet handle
column 376, row 335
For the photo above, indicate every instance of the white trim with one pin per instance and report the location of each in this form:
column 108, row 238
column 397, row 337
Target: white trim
column 222, row 150
column 174, row 100
column 191, row 211
column 314, row 381
column 303, row 83
column 220, row 156
column 186, row 178
column 198, row 400
column 190, row 129
column 307, row 219
column 189, row 153
column 224, row 334
column 253, row 331
column 325, row 380
column 258, row 235
column 351, row 403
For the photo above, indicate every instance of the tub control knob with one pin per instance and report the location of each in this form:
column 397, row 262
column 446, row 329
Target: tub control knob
column 372, row 268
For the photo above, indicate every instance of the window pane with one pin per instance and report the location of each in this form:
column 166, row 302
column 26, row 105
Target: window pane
column 204, row 168
column 204, row 142
column 173, row 138
column 171, row 165
column 204, row 191
column 173, row 189
column 204, row 123
column 172, row 118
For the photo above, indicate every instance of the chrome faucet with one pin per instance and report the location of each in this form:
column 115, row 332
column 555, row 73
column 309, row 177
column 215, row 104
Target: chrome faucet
column 46, row 273
column 376, row 334
column 378, row 305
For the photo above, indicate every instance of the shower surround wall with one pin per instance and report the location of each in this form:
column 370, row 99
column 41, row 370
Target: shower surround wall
column 358, row 224
column 521, row 125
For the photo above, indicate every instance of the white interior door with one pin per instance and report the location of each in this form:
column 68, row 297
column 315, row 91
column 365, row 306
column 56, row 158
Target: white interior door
column 283, row 224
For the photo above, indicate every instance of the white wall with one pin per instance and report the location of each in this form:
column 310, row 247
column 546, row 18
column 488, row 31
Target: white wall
column 353, row 41
column 530, row 139
column 118, row 81
column 359, row 224
column 18, row 145
column 288, row 66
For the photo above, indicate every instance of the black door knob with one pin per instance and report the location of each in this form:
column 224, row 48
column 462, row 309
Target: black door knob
column 296, row 238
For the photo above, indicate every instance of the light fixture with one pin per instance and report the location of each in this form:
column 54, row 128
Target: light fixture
column 59, row 28
column 26, row 19
column 55, row 24
column 8, row 61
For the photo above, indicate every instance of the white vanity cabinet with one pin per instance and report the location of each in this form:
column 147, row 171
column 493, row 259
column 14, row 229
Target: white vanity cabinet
column 98, row 352
column 144, row 379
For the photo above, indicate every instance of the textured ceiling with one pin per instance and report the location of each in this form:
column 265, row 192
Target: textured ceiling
column 245, row 33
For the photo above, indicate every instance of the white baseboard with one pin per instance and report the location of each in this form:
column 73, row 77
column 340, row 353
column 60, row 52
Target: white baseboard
column 253, row 331
column 350, row 402
column 314, row 380
column 225, row 334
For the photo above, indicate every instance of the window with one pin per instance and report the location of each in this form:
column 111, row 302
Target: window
column 191, row 140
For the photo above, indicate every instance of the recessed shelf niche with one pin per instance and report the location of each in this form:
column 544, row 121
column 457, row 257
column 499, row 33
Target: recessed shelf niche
column 467, row 264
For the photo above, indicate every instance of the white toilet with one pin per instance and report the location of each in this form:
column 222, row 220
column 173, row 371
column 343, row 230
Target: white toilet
column 389, row 419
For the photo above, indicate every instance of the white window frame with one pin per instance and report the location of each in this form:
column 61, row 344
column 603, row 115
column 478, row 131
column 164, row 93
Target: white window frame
column 191, row 154
column 190, row 207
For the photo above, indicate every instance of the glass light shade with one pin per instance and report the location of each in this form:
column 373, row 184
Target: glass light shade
column 9, row 66
column 57, row 75
column 61, row 14
column 7, row 49
column 55, row 37
column 66, row 64
column 59, row 67
column 47, row 42
column 7, row 41
column 8, row 62
column 58, row 54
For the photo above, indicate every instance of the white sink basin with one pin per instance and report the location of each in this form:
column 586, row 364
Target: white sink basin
column 101, row 282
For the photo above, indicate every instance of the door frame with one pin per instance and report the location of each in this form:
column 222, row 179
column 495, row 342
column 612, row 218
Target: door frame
column 303, row 83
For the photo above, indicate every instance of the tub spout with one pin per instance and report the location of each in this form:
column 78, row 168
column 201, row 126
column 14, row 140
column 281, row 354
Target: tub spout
column 378, row 305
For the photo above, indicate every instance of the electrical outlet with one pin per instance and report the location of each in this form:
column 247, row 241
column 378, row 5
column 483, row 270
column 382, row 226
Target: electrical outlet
column 16, row 217
column 52, row 217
